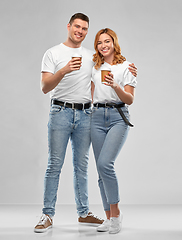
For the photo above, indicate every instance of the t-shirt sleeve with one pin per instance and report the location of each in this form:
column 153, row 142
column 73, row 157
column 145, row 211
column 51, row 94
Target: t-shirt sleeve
column 93, row 73
column 48, row 63
column 129, row 79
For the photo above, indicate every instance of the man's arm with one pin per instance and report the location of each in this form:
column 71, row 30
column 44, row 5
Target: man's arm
column 49, row 80
column 133, row 69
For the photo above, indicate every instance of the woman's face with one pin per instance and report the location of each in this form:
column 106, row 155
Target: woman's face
column 105, row 45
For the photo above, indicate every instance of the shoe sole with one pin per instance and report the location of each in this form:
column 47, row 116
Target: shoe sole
column 90, row 224
column 114, row 232
column 42, row 230
column 98, row 230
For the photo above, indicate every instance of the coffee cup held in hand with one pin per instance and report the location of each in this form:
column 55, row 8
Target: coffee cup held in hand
column 78, row 56
column 103, row 73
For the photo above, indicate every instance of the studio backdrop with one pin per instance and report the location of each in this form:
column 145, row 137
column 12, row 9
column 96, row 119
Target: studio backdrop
column 149, row 165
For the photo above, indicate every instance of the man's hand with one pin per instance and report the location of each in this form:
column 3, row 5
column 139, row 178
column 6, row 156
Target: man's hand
column 73, row 65
column 133, row 69
column 49, row 80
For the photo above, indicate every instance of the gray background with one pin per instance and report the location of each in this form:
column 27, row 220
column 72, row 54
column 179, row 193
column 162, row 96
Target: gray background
column 149, row 166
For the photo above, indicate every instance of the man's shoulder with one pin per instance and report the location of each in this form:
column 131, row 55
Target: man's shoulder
column 54, row 48
column 88, row 50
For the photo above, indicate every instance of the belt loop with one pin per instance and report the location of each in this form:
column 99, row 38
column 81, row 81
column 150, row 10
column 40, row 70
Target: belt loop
column 83, row 106
column 105, row 105
column 72, row 105
column 64, row 105
column 97, row 105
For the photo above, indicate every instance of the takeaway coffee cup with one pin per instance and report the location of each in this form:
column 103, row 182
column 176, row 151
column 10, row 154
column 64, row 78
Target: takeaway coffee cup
column 103, row 73
column 77, row 56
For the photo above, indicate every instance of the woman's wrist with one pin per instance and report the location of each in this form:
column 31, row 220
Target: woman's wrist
column 115, row 86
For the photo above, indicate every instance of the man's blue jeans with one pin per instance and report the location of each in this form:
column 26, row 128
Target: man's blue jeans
column 108, row 134
column 64, row 124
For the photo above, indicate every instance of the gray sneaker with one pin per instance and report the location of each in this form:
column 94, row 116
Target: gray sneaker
column 116, row 224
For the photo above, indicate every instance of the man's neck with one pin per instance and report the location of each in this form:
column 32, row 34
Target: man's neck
column 71, row 44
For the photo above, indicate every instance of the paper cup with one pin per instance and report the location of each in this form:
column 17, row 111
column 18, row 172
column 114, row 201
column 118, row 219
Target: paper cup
column 103, row 73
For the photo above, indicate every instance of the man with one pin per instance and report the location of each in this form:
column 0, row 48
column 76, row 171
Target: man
column 69, row 82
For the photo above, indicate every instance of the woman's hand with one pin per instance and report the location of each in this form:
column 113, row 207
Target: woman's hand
column 110, row 81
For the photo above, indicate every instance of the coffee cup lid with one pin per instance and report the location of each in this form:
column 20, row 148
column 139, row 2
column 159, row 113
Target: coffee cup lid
column 76, row 55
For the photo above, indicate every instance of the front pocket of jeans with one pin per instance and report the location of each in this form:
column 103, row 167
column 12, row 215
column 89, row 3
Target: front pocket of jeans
column 94, row 109
column 88, row 111
column 55, row 109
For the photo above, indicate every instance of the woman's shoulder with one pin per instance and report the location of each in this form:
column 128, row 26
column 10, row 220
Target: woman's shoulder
column 124, row 64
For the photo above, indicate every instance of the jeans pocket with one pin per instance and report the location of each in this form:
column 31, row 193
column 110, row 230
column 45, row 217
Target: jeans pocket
column 55, row 109
column 88, row 111
column 94, row 109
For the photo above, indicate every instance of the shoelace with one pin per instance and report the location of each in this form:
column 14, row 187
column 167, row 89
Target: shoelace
column 114, row 221
column 92, row 215
column 106, row 222
column 43, row 219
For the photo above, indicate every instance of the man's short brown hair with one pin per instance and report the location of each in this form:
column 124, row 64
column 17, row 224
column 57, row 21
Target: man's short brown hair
column 79, row 16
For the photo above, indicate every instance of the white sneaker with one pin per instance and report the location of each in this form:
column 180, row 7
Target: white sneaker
column 116, row 223
column 104, row 227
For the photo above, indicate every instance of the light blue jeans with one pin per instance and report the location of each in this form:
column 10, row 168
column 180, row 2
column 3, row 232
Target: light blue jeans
column 64, row 124
column 108, row 134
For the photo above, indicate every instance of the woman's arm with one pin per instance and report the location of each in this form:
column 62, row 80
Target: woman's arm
column 126, row 95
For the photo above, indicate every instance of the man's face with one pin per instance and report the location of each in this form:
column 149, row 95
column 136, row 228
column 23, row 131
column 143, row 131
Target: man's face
column 77, row 31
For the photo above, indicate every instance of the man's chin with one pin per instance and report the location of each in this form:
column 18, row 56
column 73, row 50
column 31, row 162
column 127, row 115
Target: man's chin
column 79, row 39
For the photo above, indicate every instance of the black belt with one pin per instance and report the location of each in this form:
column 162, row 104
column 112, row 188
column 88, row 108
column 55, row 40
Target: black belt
column 118, row 107
column 78, row 106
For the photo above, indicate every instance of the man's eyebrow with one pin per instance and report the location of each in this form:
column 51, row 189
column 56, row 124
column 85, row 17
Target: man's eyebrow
column 77, row 25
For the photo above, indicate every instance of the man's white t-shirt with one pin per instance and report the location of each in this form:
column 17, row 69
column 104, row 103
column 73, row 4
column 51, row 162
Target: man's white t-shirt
column 122, row 76
column 75, row 87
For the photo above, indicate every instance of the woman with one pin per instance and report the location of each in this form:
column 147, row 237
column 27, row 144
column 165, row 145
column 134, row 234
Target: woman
column 109, row 129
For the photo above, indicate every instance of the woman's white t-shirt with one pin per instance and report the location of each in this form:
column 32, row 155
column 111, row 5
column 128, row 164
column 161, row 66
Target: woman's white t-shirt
column 122, row 76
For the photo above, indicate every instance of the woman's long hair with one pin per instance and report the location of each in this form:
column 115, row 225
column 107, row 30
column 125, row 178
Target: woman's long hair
column 98, row 58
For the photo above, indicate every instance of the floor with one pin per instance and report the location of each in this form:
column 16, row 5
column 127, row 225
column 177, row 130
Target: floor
column 140, row 222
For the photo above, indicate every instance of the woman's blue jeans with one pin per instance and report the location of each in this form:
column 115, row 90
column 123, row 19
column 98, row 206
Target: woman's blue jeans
column 64, row 124
column 108, row 134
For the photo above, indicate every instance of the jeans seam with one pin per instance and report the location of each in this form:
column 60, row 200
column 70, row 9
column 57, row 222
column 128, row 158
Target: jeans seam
column 77, row 183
